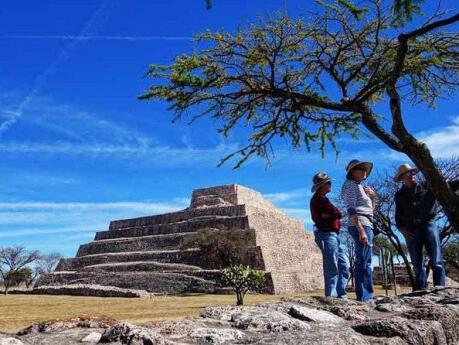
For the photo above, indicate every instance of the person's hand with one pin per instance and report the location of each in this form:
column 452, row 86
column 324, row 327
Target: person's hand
column 370, row 192
column 363, row 238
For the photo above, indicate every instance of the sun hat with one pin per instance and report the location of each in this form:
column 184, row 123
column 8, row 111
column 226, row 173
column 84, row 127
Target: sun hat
column 403, row 169
column 319, row 180
column 355, row 162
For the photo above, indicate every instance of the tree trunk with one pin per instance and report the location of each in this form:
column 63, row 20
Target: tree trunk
column 396, row 243
column 240, row 298
column 418, row 152
column 420, row 155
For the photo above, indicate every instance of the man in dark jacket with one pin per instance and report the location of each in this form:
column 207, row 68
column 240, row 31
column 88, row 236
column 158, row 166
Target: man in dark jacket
column 414, row 215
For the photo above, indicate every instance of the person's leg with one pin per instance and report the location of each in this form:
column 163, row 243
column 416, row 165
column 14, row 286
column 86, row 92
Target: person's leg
column 432, row 244
column 358, row 257
column 343, row 270
column 367, row 256
column 417, row 260
column 363, row 272
column 318, row 239
column 330, row 262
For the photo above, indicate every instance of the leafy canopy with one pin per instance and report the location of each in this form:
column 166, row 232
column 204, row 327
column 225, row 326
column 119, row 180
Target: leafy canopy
column 307, row 80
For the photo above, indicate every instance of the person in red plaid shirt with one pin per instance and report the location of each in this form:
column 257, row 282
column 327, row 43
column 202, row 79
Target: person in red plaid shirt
column 327, row 220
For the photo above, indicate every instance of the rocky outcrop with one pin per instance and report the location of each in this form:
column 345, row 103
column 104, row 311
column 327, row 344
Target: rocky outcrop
column 146, row 253
column 422, row 318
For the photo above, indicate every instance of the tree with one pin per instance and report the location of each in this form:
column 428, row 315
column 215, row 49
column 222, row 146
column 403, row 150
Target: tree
column 48, row 262
column 221, row 247
column 451, row 253
column 385, row 188
column 346, row 237
column 281, row 78
column 21, row 276
column 403, row 9
column 243, row 279
column 13, row 261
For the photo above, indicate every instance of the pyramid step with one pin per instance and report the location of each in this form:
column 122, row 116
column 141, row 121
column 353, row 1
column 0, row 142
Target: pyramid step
column 149, row 281
column 135, row 244
column 174, row 217
column 145, row 266
column 190, row 225
column 188, row 257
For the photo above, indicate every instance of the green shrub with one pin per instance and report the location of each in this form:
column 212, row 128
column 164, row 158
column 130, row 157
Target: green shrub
column 243, row 279
column 222, row 248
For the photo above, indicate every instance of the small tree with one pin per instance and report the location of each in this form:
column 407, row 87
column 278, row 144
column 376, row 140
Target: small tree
column 243, row 279
column 20, row 277
column 48, row 262
column 221, row 247
column 13, row 260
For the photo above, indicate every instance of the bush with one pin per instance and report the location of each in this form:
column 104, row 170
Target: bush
column 222, row 248
column 243, row 279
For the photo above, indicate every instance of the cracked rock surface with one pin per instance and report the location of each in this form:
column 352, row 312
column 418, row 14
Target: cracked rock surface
column 422, row 318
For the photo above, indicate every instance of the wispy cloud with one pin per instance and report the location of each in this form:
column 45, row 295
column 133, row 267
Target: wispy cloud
column 96, row 38
column 126, row 205
column 89, row 29
column 287, row 196
column 165, row 155
column 70, row 223
column 443, row 142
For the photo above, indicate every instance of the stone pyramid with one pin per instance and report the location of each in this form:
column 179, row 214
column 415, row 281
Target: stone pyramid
column 145, row 253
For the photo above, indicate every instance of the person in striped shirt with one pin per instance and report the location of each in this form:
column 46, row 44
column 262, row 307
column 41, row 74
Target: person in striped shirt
column 360, row 201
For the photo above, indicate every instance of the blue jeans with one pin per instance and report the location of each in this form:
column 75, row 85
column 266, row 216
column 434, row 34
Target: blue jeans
column 335, row 267
column 363, row 274
column 426, row 236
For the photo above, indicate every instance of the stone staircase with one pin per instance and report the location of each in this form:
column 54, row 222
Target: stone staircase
column 145, row 253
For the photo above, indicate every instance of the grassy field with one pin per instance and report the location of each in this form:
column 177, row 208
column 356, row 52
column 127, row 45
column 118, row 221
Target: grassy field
column 19, row 311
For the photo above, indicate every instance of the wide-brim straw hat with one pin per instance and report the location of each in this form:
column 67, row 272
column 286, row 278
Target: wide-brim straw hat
column 319, row 180
column 354, row 163
column 403, row 169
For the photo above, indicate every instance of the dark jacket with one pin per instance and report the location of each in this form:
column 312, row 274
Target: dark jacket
column 416, row 206
column 321, row 205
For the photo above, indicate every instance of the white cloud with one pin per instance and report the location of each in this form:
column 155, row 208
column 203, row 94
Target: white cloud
column 444, row 142
column 89, row 29
column 22, row 220
column 32, row 231
column 83, row 206
column 287, row 196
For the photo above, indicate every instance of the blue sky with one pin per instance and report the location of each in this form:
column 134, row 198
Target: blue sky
column 78, row 149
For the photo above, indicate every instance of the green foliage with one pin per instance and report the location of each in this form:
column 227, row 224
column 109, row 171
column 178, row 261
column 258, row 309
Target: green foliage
column 19, row 277
column 14, row 265
column 222, row 248
column 451, row 253
column 404, row 11
column 275, row 76
column 243, row 279
column 381, row 242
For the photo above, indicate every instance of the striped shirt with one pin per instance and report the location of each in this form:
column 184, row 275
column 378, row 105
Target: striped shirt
column 357, row 202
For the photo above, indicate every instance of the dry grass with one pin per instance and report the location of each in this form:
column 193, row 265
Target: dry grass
column 19, row 311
